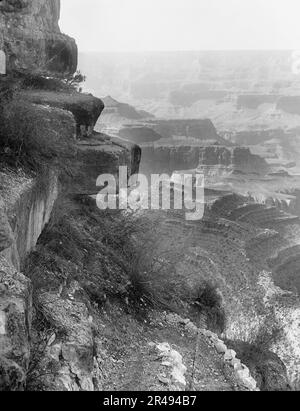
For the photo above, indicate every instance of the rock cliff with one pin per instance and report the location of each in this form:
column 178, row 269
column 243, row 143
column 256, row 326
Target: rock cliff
column 167, row 158
column 202, row 130
column 26, row 205
column 33, row 43
column 32, row 40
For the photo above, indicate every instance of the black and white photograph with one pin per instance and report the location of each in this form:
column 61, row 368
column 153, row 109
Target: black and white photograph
column 149, row 198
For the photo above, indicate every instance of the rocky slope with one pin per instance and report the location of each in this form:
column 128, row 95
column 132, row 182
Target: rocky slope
column 233, row 248
column 230, row 250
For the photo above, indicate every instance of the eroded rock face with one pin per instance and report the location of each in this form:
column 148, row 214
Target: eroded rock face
column 25, row 207
column 31, row 37
column 72, row 357
column 15, row 313
column 25, row 202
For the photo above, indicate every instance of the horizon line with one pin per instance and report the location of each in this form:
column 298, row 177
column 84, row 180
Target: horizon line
column 189, row 51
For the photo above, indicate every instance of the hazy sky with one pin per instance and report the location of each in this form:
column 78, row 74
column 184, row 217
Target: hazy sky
column 137, row 25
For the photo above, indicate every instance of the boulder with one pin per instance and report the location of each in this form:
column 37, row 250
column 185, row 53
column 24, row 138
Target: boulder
column 246, row 380
column 221, row 347
column 229, row 355
column 236, row 364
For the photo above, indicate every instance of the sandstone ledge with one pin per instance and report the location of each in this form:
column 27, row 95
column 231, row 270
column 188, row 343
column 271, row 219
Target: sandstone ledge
column 85, row 108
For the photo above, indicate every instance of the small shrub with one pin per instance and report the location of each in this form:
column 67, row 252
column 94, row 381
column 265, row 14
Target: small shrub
column 209, row 301
column 104, row 251
column 268, row 335
column 265, row 366
column 74, row 81
column 42, row 81
column 38, row 82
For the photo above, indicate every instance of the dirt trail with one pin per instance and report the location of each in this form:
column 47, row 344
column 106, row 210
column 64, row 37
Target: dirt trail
column 138, row 366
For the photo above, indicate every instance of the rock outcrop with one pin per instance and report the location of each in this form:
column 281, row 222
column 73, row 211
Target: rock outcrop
column 32, row 40
column 85, row 108
column 99, row 155
column 27, row 209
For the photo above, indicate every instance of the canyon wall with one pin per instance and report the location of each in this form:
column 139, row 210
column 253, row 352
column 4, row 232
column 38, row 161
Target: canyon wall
column 31, row 38
column 33, row 43
column 26, row 204
column 167, row 158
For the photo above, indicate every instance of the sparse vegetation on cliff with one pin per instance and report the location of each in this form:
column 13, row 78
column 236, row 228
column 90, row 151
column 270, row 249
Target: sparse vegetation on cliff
column 96, row 249
column 28, row 137
column 59, row 83
column 209, row 302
